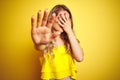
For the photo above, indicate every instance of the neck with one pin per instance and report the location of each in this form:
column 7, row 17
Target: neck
column 59, row 41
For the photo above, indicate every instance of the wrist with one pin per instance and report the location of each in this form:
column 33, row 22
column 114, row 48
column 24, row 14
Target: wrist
column 70, row 33
column 40, row 47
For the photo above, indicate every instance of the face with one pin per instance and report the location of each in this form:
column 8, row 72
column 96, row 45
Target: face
column 56, row 26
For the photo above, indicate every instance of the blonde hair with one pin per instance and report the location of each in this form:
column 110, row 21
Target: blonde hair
column 50, row 46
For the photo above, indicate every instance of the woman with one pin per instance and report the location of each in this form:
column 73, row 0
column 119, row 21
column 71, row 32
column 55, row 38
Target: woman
column 58, row 46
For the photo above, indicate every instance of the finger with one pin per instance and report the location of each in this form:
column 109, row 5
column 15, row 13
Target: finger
column 60, row 20
column 51, row 20
column 38, row 18
column 45, row 17
column 33, row 24
column 61, row 24
column 54, row 35
column 63, row 17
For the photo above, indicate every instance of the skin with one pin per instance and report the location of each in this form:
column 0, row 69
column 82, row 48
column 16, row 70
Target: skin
column 41, row 32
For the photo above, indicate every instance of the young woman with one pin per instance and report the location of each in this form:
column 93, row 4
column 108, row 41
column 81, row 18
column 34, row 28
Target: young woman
column 58, row 46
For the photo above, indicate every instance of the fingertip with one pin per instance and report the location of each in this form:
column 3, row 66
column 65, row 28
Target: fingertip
column 46, row 10
column 39, row 12
column 54, row 14
column 32, row 17
column 32, row 20
column 58, row 33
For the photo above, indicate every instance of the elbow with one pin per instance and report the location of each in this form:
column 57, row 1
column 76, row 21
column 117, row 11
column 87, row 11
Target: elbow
column 80, row 59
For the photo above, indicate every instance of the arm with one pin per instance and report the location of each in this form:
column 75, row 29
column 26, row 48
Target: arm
column 77, row 51
column 65, row 22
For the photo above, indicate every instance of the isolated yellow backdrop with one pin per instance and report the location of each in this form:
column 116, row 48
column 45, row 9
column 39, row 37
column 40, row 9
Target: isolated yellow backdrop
column 96, row 25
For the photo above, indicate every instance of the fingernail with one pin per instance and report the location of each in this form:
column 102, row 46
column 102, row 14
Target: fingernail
column 54, row 14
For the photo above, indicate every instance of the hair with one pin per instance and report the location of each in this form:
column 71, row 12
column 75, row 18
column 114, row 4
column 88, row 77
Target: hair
column 63, row 35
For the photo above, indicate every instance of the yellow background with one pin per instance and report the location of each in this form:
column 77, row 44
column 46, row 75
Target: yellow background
column 96, row 25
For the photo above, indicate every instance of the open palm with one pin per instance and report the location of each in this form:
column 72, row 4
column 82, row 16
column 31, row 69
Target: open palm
column 41, row 33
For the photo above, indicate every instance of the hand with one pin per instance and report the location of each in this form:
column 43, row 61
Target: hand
column 41, row 33
column 65, row 22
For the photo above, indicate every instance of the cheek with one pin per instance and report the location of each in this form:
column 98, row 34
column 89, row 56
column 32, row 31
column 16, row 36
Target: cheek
column 57, row 27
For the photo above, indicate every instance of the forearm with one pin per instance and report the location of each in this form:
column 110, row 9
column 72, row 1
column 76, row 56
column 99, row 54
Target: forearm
column 77, row 51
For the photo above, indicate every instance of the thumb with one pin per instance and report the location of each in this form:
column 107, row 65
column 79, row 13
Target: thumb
column 55, row 34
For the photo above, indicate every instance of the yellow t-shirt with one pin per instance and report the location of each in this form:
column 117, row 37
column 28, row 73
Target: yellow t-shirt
column 62, row 65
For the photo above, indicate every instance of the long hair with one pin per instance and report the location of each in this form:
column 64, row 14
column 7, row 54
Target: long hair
column 63, row 35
